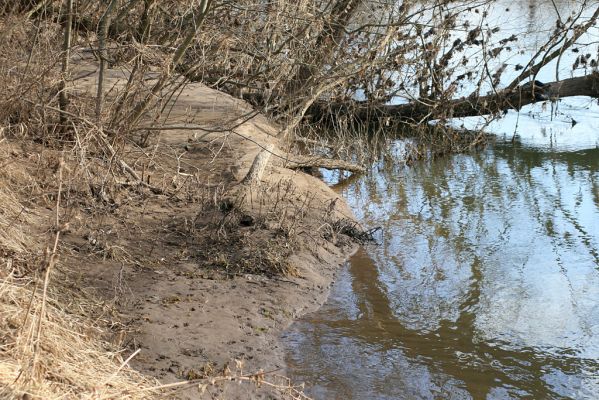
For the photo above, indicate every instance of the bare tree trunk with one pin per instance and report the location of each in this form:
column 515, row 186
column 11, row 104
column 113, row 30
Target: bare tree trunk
column 258, row 167
column 145, row 23
column 464, row 107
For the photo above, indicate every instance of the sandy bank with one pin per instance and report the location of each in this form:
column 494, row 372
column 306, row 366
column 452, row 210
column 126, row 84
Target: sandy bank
column 194, row 274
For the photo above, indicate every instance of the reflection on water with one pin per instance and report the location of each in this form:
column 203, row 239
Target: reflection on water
column 486, row 284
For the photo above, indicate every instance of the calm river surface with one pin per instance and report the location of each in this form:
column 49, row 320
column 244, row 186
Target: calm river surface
column 486, row 284
column 486, row 281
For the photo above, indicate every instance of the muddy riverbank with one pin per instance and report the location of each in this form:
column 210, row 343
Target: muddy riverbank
column 212, row 277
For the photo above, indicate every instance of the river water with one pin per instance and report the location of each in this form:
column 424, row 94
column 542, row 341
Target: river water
column 485, row 284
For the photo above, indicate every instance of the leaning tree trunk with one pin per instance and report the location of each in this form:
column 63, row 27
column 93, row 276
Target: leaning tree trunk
column 63, row 100
column 422, row 111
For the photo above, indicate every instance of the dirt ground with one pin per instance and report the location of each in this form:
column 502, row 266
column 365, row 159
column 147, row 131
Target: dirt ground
column 205, row 276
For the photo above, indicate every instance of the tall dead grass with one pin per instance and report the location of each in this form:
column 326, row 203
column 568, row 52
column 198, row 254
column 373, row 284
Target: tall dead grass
column 46, row 349
column 72, row 362
column 12, row 218
column 49, row 345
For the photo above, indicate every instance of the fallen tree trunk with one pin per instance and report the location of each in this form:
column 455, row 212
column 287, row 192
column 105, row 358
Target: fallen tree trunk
column 426, row 110
column 300, row 162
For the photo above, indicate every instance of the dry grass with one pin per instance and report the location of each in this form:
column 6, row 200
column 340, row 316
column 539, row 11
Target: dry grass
column 71, row 360
column 46, row 349
column 12, row 218
column 245, row 254
column 51, row 343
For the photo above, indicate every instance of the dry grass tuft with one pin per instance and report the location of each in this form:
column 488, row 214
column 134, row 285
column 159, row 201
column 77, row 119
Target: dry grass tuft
column 238, row 254
column 46, row 349
column 17, row 244
column 12, row 216
column 72, row 362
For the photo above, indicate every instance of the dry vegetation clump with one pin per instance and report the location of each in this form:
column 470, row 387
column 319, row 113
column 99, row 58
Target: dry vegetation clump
column 13, row 215
column 240, row 253
column 233, row 236
column 255, row 229
column 58, row 354
column 47, row 349
column 50, row 345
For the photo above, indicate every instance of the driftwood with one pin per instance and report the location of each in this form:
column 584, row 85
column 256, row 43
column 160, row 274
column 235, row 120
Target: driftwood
column 420, row 111
column 254, row 174
column 298, row 162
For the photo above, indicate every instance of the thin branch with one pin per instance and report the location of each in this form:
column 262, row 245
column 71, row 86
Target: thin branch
column 141, row 107
column 104, row 24
column 66, row 49
column 48, row 266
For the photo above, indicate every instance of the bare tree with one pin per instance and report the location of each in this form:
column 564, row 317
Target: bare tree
column 324, row 60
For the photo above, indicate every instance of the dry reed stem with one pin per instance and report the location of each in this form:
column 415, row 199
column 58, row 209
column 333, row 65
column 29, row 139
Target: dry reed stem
column 48, row 268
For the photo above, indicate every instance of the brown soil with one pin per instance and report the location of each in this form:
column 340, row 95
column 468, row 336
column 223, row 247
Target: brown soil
column 206, row 276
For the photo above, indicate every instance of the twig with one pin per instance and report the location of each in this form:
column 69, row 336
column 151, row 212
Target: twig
column 121, row 367
column 532, row 70
column 51, row 260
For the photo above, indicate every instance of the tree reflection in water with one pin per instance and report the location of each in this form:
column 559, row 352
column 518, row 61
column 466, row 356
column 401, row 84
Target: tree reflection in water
column 486, row 284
